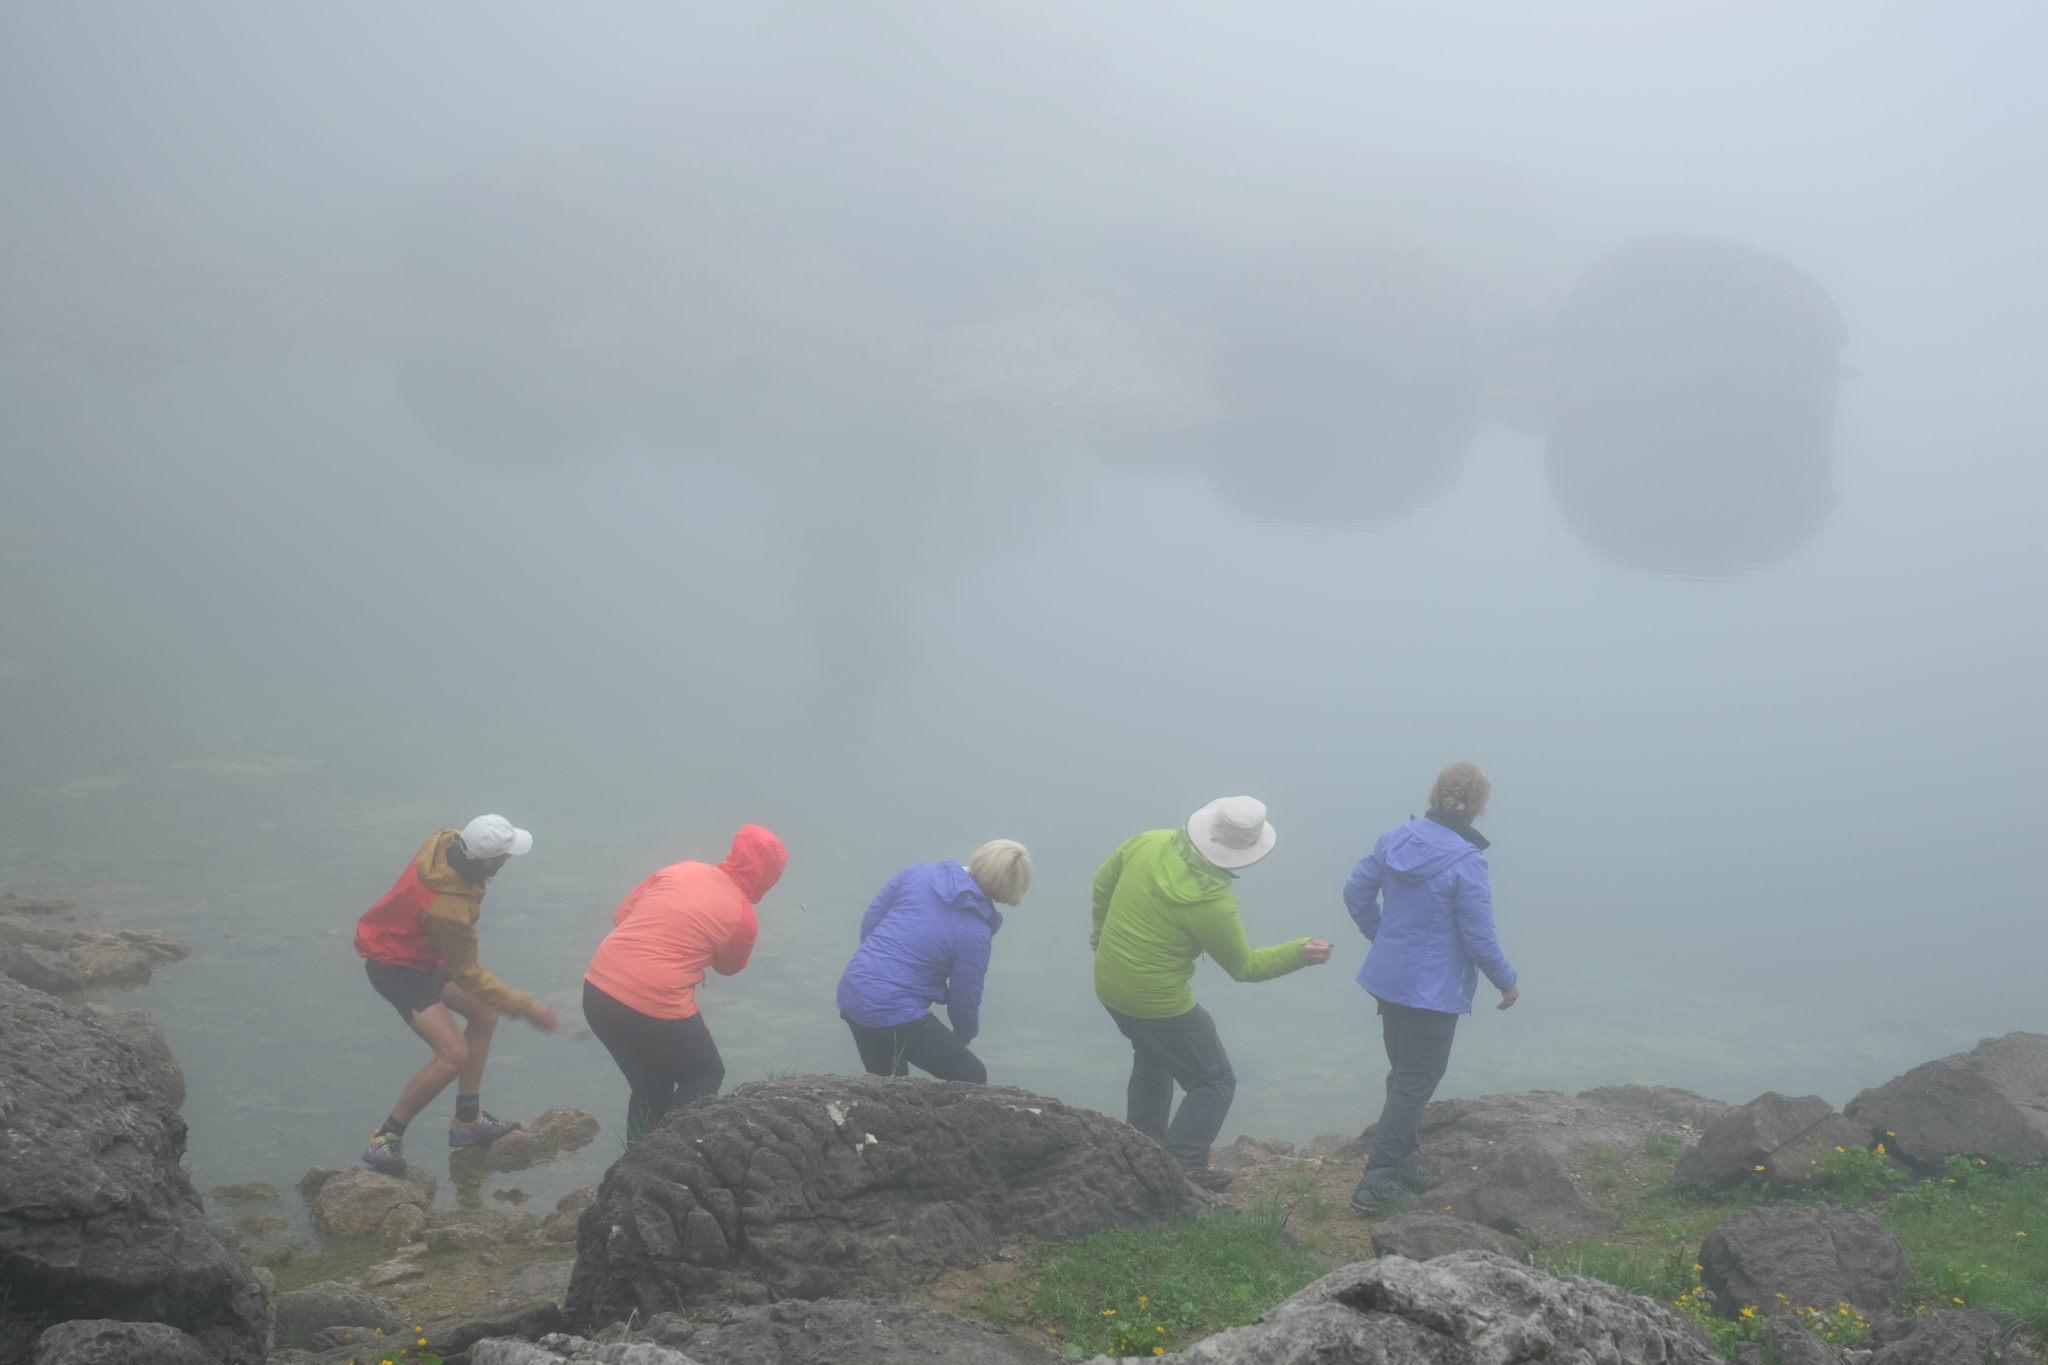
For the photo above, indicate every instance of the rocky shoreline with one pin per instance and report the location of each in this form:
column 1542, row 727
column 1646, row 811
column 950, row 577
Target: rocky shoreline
column 796, row 1220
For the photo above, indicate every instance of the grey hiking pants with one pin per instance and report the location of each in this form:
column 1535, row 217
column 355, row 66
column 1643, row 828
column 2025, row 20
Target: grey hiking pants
column 1180, row 1048
column 1418, row 1051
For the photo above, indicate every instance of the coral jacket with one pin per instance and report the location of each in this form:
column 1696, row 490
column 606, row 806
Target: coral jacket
column 427, row 921
column 685, row 918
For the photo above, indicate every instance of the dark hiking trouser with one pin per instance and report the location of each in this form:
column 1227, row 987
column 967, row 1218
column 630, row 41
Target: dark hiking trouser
column 668, row 1062
column 924, row 1043
column 1180, row 1048
column 1418, row 1049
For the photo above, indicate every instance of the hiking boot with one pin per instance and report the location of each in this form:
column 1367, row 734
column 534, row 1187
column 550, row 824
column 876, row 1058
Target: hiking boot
column 1380, row 1187
column 385, row 1153
column 478, row 1132
column 1416, row 1175
column 1210, row 1179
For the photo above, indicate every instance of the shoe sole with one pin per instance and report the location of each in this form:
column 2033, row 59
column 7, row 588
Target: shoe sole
column 386, row 1167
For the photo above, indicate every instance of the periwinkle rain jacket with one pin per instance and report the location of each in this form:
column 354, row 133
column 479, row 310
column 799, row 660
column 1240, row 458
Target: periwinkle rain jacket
column 924, row 940
column 1435, row 934
column 1159, row 905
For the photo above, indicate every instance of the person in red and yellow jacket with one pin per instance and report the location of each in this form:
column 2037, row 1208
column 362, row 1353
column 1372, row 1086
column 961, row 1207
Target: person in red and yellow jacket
column 640, row 994
column 419, row 947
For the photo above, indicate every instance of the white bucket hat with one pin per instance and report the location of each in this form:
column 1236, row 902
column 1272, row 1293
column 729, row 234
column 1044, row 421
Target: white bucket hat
column 1232, row 832
column 487, row 836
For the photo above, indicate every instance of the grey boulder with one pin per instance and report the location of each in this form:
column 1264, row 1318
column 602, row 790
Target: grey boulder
column 1467, row 1308
column 97, row 1217
column 1781, row 1139
column 1776, row 1260
column 1423, row 1236
column 360, row 1202
column 37, row 953
column 1991, row 1101
column 329, row 1303
column 823, row 1186
column 842, row 1332
column 102, row 1341
column 1518, row 1163
column 556, row 1349
column 138, row 1029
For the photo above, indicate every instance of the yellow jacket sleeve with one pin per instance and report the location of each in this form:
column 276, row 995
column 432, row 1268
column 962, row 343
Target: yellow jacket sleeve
column 454, row 938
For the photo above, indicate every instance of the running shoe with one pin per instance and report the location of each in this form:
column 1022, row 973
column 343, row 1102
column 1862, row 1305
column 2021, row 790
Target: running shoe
column 1210, row 1179
column 385, row 1153
column 482, row 1130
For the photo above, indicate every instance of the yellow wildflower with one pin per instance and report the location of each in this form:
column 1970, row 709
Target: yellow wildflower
column 1749, row 1312
column 1955, row 1300
column 1109, row 1312
column 1880, row 1149
column 1759, row 1168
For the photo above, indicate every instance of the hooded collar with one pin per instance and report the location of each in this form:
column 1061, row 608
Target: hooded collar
column 1460, row 826
column 755, row 863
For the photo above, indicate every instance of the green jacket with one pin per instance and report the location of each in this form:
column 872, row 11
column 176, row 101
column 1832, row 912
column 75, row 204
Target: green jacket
column 1159, row 905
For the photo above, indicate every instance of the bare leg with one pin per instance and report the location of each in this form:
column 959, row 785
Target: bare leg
column 483, row 1022
column 451, row 1059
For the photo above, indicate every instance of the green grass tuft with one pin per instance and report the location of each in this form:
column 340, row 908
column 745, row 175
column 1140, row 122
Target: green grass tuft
column 1153, row 1290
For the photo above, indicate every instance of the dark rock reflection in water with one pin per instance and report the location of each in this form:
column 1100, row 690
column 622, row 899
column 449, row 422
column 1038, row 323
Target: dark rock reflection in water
column 1694, row 381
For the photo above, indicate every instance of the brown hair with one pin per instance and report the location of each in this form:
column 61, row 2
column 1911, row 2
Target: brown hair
column 1462, row 791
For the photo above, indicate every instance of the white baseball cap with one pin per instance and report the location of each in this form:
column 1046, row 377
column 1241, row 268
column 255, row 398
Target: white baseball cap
column 487, row 836
column 1232, row 832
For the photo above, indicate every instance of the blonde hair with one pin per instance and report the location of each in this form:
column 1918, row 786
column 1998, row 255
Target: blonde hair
column 1461, row 790
column 1003, row 867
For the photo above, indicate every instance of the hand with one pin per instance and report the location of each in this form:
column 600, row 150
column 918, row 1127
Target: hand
column 1508, row 998
column 544, row 1017
column 1315, row 950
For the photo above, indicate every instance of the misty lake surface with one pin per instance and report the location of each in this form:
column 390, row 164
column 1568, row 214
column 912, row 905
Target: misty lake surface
column 904, row 426
column 1740, row 834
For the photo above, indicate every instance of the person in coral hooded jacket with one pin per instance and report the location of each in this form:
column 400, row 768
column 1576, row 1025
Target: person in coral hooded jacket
column 640, row 994
column 419, row 946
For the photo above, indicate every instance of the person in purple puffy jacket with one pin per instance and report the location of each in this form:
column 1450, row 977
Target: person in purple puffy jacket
column 1423, row 898
column 924, row 941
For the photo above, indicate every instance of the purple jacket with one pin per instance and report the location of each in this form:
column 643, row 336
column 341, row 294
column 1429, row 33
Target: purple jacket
column 1436, row 933
column 925, row 940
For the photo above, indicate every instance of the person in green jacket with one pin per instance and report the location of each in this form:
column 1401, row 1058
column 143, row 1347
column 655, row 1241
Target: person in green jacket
column 1161, row 901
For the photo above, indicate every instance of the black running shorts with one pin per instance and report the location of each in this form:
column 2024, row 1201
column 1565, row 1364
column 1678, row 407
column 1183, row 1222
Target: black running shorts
column 408, row 989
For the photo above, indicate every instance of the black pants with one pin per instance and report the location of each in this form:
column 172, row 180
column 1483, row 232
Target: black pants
column 668, row 1062
column 1418, row 1050
column 1181, row 1048
column 924, row 1043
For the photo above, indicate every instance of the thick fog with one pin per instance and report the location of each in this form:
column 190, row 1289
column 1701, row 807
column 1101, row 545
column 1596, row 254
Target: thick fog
column 905, row 425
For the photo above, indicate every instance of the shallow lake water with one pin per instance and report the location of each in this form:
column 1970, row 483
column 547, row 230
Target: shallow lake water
column 1734, row 843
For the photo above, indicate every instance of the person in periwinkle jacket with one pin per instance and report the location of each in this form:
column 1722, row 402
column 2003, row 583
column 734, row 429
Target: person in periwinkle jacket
column 1431, row 940
column 925, row 940
column 1162, row 900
